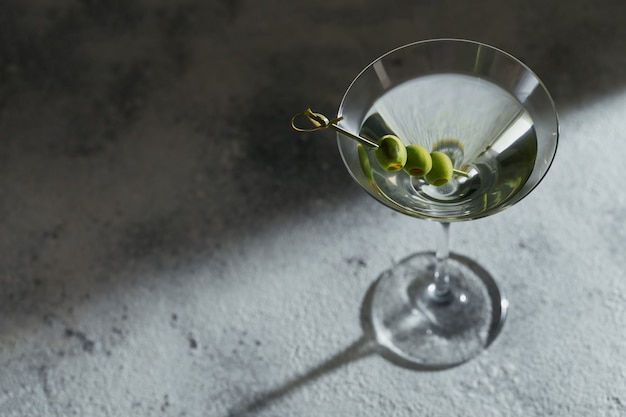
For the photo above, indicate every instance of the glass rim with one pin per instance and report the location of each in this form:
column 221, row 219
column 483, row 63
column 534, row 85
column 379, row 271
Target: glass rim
column 455, row 40
column 542, row 87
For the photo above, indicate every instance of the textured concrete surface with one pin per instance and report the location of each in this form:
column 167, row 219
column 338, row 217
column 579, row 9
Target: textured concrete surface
column 168, row 246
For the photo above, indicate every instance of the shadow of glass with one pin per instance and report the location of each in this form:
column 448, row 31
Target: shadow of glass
column 365, row 346
column 359, row 349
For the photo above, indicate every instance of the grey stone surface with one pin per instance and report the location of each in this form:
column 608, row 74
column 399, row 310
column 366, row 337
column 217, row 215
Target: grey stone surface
column 168, row 246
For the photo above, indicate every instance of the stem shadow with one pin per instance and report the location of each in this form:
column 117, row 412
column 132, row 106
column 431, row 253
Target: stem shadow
column 359, row 349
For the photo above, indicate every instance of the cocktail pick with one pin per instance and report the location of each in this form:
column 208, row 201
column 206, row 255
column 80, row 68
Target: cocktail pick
column 320, row 122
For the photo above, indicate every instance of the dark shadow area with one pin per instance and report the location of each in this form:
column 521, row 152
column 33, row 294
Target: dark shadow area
column 149, row 144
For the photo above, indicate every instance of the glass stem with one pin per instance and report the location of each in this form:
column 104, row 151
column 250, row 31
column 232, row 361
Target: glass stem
column 440, row 290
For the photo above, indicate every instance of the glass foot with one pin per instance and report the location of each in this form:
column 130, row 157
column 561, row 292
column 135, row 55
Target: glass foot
column 422, row 330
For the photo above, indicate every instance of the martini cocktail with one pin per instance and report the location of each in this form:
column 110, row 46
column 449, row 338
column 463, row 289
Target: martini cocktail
column 486, row 115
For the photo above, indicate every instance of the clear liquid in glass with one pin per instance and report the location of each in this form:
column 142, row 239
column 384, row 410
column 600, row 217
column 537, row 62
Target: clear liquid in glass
column 485, row 130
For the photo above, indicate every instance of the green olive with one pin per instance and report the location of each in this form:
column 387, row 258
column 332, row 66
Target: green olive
column 365, row 162
column 391, row 153
column 418, row 160
column 441, row 171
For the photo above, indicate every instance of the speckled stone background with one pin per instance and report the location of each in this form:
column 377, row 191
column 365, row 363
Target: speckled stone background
column 170, row 247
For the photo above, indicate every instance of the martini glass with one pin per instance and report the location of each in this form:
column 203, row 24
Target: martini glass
column 497, row 123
